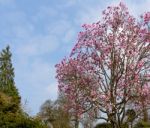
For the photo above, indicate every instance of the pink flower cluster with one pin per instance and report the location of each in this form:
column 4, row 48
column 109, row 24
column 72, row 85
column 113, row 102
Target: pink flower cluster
column 109, row 66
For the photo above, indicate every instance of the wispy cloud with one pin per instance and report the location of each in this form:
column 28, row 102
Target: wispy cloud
column 52, row 89
column 7, row 2
column 38, row 45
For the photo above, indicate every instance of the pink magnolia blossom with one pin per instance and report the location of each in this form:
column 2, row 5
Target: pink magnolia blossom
column 108, row 69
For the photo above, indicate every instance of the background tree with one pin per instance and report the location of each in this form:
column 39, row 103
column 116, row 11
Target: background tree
column 52, row 112
column 131, row 115
column 108, row 70
column 87, row 121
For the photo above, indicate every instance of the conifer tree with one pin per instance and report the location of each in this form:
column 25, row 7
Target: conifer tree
column 11, row 113
column 7, row 84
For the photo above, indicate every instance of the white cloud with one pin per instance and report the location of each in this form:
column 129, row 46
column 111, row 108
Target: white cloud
column 38, row 45
column 6, row 2
column 69, row 36
column 70, row 3
column 33, row 53
column 22, row 31
column 88, row 15
column 138, row 7
column 36, row 72
column 92, row 13
column 44, row 13
column 59, row 27
column 52, row 90
column 34, row 78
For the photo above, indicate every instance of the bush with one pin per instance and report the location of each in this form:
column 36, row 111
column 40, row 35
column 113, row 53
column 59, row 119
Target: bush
column 142, row 124
column 103, row 125
column 108, row 125
column 11, row 115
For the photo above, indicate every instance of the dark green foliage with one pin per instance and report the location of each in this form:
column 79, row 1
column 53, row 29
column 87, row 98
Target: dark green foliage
column 7, row 84
column 108, row 125
column 9, row 96
column 11, row 118
column 142, row 124
column 125, row 125
column 103, row 125
column 131, row 114
column 11, row 114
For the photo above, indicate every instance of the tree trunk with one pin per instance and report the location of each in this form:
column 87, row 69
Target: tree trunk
column 76, row 124
column 145, row 115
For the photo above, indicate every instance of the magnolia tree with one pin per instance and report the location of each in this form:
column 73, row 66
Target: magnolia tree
column 108, row 71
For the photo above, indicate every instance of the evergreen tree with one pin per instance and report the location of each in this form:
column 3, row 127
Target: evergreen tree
column 11, row 113
column 7, row 84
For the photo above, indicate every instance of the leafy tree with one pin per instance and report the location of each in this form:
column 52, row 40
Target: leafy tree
column 53, row 113
column 108, row 69
column 47, row 113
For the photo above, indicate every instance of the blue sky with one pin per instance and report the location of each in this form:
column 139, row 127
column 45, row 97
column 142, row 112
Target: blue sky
column 40, row 33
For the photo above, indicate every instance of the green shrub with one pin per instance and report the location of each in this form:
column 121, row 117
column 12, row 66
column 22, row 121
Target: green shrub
column 142, row 124
column 103, row 125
